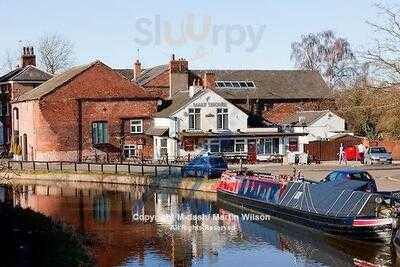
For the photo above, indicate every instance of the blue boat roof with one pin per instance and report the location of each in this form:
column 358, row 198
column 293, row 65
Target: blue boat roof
column 350, row 170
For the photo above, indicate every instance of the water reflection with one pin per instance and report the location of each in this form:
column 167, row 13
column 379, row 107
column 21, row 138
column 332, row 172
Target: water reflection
column 188, row 228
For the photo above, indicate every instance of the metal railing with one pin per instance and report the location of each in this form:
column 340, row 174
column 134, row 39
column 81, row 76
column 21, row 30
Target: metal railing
column 104, row 168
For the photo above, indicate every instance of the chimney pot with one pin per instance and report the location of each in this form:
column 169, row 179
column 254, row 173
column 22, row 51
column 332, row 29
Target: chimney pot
column 28, row 57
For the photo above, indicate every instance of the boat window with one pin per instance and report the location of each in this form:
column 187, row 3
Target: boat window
column 362, row 176
column 337, row 176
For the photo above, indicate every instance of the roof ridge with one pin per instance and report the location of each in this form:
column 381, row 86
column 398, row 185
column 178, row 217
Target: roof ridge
column 26, row 95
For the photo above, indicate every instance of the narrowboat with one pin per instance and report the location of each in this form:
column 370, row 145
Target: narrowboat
column 337, row 207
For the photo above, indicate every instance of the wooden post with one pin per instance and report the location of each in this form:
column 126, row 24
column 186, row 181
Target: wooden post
column 61, row 166
column 34, row 165
column 75, row 167
column 47, row 166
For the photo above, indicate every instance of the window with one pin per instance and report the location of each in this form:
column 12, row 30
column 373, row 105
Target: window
column 136, row 126
column 251, row 84
column 220, row 84
column 239, row 145
column 131, row 151
column 214, row 146
column 99, row 133
column 227, row 146
column 222, row 119
column 163, row 147
column 235, row 84
column 194, row 119
column 268, row 146
column 293, row 144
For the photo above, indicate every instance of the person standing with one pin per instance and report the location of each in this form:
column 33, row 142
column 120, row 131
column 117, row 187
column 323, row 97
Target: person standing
column 342, row 155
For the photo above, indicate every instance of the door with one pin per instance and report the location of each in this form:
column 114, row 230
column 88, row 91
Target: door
column 25, row 147
column 251, row 151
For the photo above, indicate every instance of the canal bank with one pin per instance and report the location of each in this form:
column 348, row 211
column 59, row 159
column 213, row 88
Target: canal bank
column 161, row 182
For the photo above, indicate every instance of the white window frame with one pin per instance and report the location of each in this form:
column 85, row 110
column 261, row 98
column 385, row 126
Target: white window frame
column 240, row 142
column 163, row 148
column 135, row 124
column 223, row 113
column 193, row 112
column 130, row 148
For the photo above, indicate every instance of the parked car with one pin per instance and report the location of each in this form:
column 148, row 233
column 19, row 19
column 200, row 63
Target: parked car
column 205, row 165
column 375, row 155
column 352, row 174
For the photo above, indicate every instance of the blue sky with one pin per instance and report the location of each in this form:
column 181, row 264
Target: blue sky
column 106, row 30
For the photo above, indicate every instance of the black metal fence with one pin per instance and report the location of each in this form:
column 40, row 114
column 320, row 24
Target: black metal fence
column 104, row 168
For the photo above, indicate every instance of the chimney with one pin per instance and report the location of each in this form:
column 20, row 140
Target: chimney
column 28, row 57
column 196, row 87
column 137, row 69
column 209, row 80
column 178, row 75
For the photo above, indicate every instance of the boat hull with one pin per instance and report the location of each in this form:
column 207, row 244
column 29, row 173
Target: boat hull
column 332, row 225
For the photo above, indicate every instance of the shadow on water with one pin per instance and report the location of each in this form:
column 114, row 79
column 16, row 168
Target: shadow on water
column 109, row 213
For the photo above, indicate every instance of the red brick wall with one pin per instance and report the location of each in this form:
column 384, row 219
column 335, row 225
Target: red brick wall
column 20, row 89
column 113, row 112
column 56, row 116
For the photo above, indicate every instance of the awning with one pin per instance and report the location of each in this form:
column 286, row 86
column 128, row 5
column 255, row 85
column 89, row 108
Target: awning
column 157, row 131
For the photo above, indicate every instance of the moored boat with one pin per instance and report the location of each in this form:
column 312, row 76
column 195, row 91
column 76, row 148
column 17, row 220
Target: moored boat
column 334, row 207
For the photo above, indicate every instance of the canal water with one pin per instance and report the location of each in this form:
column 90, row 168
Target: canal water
column 140, row 226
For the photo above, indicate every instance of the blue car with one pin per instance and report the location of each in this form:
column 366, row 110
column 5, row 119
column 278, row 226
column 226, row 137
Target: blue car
column 206, row 166
column 353, row 174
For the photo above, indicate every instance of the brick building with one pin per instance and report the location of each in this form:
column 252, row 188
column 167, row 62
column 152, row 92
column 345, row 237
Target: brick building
column 86, row 112
column 271, row 95
column 254, row 104
column 15, row 83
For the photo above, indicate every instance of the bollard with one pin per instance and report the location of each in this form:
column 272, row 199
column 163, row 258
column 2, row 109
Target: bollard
column 34, row 165
column 20, row 163
column 116, row 168
column 155, row 170
column 102, row 168
column 47, row 166
column 129, row 168
column 75, row 167
column 61, row 166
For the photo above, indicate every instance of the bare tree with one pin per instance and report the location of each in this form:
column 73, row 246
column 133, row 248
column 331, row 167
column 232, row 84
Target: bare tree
column 385, row 56
column 9, row 61
column 329, row 55
column 55, row 52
